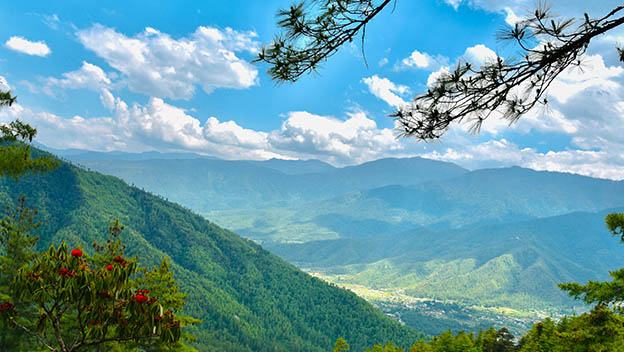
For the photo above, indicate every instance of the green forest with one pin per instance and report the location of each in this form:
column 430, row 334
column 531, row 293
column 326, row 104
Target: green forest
column 247, row 298
column 159, row 195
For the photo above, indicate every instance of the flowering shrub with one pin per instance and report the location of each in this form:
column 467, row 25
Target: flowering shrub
column 107, row 296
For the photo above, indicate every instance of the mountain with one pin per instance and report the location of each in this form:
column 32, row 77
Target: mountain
column 78, row 155
column 206, row 185
column 490, row 196
column 295, row 167
column 516, row 265
column 248, row 298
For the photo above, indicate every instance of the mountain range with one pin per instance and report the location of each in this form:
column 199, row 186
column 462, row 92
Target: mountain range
column 500, row 238
column 248, row 298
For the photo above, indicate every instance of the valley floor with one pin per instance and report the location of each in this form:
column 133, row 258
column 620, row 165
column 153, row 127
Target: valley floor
column 434, row 316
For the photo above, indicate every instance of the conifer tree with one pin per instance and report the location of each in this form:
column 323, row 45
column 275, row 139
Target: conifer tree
column 314, row 30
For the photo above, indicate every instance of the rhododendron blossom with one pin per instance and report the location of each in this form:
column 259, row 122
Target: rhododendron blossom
column 141, row 298
column 76, row 253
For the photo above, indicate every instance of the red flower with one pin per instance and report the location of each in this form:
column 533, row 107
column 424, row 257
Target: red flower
column 144, row 291
column 140, row 298
column 6, row 306
column 76, row 253
column 63, row 272
column 118, row 259
column 109, row 267
column 105, row 294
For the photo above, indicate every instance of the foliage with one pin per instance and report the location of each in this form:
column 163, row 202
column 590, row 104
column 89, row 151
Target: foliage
column 600, row 330
column 508, row 88
column 603, row 293
column 341, row 345
column 490, row 340
column 505, row 88
column 311, row 35
column 15, row 157
column 84, row 301
column 247, row 298
column 16, row 249
column 389, row 347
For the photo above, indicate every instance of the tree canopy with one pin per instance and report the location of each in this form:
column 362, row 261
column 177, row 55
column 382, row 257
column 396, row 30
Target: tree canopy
column 507, row 88
column 64, row 300
column 15, row 159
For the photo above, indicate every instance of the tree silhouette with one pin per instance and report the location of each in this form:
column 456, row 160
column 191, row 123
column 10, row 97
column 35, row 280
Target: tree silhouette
column 506, row 88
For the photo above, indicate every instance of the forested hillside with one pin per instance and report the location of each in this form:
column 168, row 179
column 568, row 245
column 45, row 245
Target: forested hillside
column 499, row 238
column 516, row 265
column 248, row 299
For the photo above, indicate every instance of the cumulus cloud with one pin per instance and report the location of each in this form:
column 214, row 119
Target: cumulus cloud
column 479, row 55
column 511, row 17
column 592, row 73
column 25, row 46
column 355, row 139
column 424, row 61
column 601, row 164
column 88, row 76
column 387, row 90
column 3, row 84
column 154, row 63
column 161, row 126
column 566, row 8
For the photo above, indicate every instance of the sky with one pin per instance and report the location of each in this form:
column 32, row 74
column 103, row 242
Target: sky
column 177, row 76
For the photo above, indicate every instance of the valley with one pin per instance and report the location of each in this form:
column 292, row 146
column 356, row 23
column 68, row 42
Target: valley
column 441, row 248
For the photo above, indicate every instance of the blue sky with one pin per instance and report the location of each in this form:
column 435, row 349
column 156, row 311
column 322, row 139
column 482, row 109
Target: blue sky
column 177, row 77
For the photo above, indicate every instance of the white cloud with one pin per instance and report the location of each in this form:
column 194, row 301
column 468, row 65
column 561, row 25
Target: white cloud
column 511, row 18
column 454, row 3
column 383, row 62
column 479, row 55
column 566, row 8
column 88, row 76
column 418, row 60
column 4, row 86
column 161, row 126
column 355, row 139
column 385, row 90
column 154, row 63
column 434, row 76
column 27, row 47
column 592, row 73
column 496, row 153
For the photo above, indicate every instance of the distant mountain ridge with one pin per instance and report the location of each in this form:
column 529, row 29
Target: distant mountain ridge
column 205, row 185
column 489, row 196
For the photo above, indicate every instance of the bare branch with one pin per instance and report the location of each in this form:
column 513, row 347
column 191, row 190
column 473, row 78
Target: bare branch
column 43, row 342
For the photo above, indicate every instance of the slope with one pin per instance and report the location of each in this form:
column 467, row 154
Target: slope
column 516, row 265
column 249, row 299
